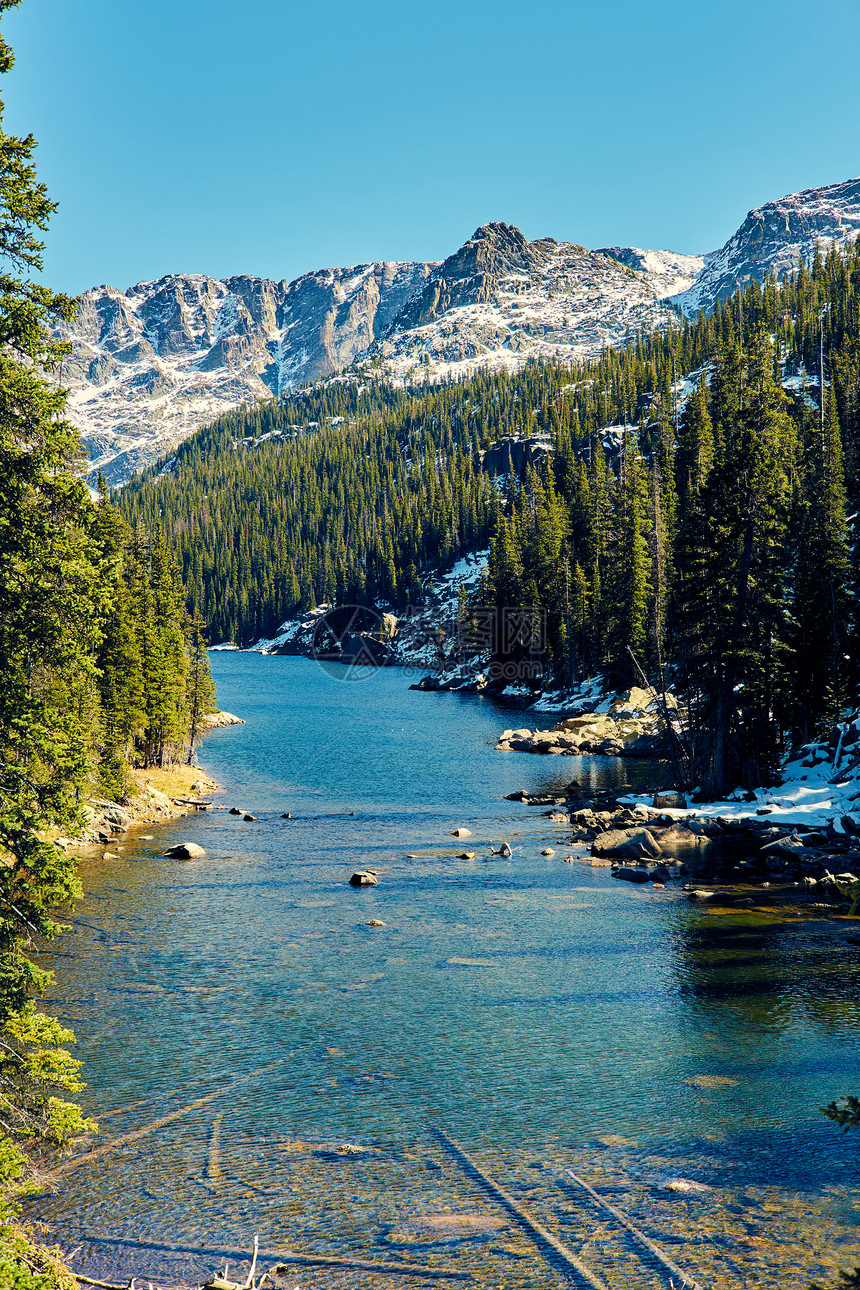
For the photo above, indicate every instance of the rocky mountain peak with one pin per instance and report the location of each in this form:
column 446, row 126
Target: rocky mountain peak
column 774, row 238
column 496, row 255
column 152, row 364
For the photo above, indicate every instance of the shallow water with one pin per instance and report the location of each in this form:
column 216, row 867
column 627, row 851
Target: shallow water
column 543, row 1014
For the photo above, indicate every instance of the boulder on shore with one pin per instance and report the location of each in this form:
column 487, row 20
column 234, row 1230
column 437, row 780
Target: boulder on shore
column 213, row 720
column 670, row 801
column 626, row 844
column 185, row 851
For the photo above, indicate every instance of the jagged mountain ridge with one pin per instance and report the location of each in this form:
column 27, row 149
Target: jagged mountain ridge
column 501, row 300
column 152, row 364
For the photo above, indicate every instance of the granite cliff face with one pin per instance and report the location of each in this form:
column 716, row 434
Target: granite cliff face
column 152, row 364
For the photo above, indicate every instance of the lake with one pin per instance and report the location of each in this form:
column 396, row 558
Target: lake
column 545, row 1015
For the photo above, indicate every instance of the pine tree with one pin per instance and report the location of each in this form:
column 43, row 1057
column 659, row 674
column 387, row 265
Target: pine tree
column 52, row 598
column 731, row 619
column 821, row 581
column 200, row 689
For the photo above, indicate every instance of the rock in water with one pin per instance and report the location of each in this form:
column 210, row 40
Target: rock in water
column 363, row 878
column 626, row 844
column 434, row 1229
column 185, row 851
column 461, row 833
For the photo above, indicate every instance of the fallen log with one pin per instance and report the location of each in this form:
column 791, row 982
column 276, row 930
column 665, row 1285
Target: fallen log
column 539, row 1234
column 634, row 1231
column 291, row 1257
column 69, row 1166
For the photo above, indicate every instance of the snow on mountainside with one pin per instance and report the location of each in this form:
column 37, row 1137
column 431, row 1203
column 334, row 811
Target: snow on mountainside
column 772, row 238
column 668, row 272
column 502, row 300
column 155, row 363
column 151, row 365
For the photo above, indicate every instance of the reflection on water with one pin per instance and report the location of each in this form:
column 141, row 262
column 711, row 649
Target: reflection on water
column 547, row 1016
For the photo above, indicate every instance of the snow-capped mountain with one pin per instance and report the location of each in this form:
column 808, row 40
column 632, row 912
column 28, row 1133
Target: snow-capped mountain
column 501, row 300
column 773, row 238
column 152, row 364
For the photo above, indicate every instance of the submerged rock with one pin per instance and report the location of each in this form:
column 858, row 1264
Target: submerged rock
column 433, row 1229
column 632, row 875
column 685, row 1186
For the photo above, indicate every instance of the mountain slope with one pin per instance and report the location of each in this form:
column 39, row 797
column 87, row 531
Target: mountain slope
column 773, row 238
column 500, row 301
column 155, row 363
column 151, row 365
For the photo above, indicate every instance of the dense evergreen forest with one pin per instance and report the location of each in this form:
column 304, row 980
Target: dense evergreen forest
column 714, row 537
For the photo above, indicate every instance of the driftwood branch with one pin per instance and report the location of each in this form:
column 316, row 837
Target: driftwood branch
column 536, row 1230
column 250, row 1281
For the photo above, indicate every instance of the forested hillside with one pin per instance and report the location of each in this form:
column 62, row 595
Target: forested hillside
column 714, row 535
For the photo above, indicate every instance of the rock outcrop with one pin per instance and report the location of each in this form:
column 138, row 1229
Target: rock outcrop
column 773, row 239
column 634, row 726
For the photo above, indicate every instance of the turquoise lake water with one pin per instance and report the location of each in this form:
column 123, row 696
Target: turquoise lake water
column 544, row 1014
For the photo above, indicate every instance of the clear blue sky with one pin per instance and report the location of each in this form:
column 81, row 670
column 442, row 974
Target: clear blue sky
column 273, row 137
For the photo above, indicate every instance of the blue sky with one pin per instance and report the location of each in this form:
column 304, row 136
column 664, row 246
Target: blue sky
column 271, row 137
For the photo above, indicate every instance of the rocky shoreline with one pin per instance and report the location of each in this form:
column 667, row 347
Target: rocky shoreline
column 736, row 861
column 633, row 724
column 161, row 794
